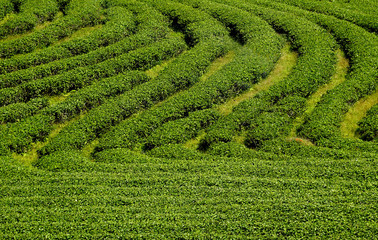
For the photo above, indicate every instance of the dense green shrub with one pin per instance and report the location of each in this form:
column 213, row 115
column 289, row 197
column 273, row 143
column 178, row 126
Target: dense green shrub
column 6, row 7
column 360, row 18
column 11, row 168
column 20, row 135
column 284, row 100
column 88, row 45
column 177, row 152
column 85, row 13
column 94, row 95
column 268, row 125
column 181, row 130
column 31, row 13
column 4, row 151
column 237, row 150
column 119, row 24
column 65, row 161
column 348, row 144
column 140, row 58
column 120, row 155
column 368, row 127
column 297, row 148
column 17, row 111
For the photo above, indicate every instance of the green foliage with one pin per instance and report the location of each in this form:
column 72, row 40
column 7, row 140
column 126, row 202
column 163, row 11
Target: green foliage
column 20, row 135
column 17, row 111
column 68, row 161
column 142, row 96
column 361, row 48
column 6, row 7
column 267, row 126
column 181, row 130
column 176, row 152
column 120, row 155
column 86, row 13
column 11, row 168
column 31, row 13
column 4, row 150
column 249, row 66
column 360, row 18
column 119, row 24
column 296, row 148
column 140, row 58
column 94, row 95
column 270, row 114
column 368, row 127
column 184, row 71
column 121, row 169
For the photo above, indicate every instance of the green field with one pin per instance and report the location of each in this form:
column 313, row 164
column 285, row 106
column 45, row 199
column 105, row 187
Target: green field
column 188, row 119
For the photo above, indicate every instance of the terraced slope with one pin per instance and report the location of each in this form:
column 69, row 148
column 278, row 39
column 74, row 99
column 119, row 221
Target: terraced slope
column 188, row 119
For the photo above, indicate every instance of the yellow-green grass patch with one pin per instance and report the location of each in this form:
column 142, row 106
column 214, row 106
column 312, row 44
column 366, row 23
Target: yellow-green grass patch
column 280, row 71
column 355, row 114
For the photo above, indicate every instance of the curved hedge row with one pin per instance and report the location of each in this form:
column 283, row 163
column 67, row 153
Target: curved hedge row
column 120, row 155
column 18, row 137
column 182, row 72
column 17, row 111
column 252, row 62
column 140, row 58
column 26, row 133
column 147, row 19
column 367, row 21
column 181, row 130
column 296, row 148
column 368, row 127
column 32, row 12
column 94, row 95
column 190, row 65
column 88, row 45
column 271, row 113
column 85, row 13
column 362, row 49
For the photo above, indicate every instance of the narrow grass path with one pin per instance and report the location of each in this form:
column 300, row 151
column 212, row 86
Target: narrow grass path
column 218, row 64
column 154, row 72
column 342, row 67
column 355, row 114
column 53, row 100
column 194, row 142
column 281, row 70
column 82, row 32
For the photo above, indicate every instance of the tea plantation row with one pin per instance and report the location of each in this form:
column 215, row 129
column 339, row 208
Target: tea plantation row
column 111, row 120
